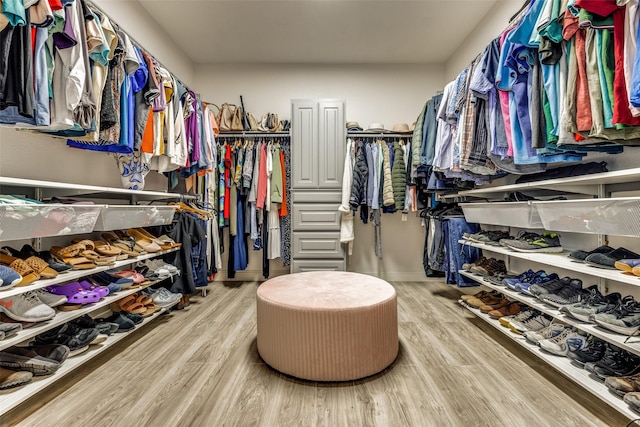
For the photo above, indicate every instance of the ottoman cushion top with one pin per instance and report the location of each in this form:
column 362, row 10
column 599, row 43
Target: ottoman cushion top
column 326, row 290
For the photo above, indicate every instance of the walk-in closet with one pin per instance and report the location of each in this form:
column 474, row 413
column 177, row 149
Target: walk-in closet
column 319, row 213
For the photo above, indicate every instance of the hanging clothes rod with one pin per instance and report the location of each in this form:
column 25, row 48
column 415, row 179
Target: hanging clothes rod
column 250, row 134
column 97, row 8
column 380, row 135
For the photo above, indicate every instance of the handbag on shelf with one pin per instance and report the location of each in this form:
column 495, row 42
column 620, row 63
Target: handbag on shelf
column 253, row 122
column 236, row 120
column 269, row 123
column 225, row 117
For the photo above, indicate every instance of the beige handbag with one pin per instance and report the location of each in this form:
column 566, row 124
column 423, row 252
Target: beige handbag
column 253, row 122
column 225, row 117
column 236, row 120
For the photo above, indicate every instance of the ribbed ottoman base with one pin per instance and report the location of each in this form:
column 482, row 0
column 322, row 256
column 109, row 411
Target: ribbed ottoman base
column 326, row 325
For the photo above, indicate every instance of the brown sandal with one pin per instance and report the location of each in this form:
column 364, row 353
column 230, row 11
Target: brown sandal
column 75, row 261
column 41, row 267
column 29, row 275
column 130, row 305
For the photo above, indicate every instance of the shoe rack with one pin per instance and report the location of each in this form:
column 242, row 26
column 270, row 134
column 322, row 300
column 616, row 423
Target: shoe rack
column 590, row 209
column 20, row 222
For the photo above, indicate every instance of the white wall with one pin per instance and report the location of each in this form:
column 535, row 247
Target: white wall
column 37, row 156
column 493, row 24
column 373, row 93
column 137, row 23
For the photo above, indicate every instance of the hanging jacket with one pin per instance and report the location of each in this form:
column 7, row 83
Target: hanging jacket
column 359, row 183
column 387, row 188
column 398, row 176
column 347, row 234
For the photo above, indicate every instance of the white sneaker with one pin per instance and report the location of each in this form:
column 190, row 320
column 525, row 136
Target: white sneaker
column 158, row 263
column 163, row 298
column 544, row 334
column 559, row 345
column 26, row 307
column 49, row 299
column 532, row 324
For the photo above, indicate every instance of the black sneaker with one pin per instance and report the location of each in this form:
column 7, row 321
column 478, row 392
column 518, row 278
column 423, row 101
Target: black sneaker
column 592, row 351
column 73, row 336
column 545, row 243
column 87, row 321
column 553, row 286
column 614, row 362
column 624, row 318
column 592, row 304
column 567, row 295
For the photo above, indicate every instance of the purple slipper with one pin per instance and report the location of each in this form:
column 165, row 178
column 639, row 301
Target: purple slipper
column 100, row 290
column 75, row 293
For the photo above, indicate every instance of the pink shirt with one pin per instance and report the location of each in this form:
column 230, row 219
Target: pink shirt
column 504, row 105
column 262, row 178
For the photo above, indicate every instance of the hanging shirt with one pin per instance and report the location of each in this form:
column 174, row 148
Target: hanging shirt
column 262, row 178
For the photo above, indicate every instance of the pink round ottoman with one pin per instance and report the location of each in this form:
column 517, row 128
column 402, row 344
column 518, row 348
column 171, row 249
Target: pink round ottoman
column 327, row 325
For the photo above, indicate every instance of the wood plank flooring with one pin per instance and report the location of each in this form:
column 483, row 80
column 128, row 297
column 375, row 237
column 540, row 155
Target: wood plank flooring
column 200, row 367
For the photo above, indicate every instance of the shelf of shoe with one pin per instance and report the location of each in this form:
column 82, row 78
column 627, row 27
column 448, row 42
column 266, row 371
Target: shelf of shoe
column 560, row 260
column 77, row 274
column 65, row 316
column 52, row 188
column 575, row 184
column 562, row 365
column 13, row 397
column 619, row 340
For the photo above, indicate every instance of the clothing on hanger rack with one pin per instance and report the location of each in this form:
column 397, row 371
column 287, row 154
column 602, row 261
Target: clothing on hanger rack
column 135, row 42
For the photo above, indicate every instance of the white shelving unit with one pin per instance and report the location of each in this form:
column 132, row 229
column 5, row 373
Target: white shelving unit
column 65, row 316
column 560, row 260
column 77, row 274
column 52, row 188
column 592, row 210
column 11, row 398
column 105, row 217
column 585, row 184
column 632, row 345
column 563, row 365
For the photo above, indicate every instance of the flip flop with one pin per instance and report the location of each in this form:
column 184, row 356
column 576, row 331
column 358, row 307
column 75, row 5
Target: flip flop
column 105, row 248
column 124, row 236
column 98, row 259
column 126, row 246
column 142, row 240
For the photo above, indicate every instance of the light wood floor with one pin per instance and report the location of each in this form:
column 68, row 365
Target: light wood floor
column 200, row 367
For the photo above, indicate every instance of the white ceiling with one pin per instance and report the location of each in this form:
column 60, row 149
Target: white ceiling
column 318, row 31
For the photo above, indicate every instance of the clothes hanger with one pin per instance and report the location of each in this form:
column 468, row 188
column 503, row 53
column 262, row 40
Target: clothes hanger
column 198, row 212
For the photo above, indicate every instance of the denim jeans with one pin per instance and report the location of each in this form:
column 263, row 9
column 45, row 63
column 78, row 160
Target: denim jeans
column 456, row 253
